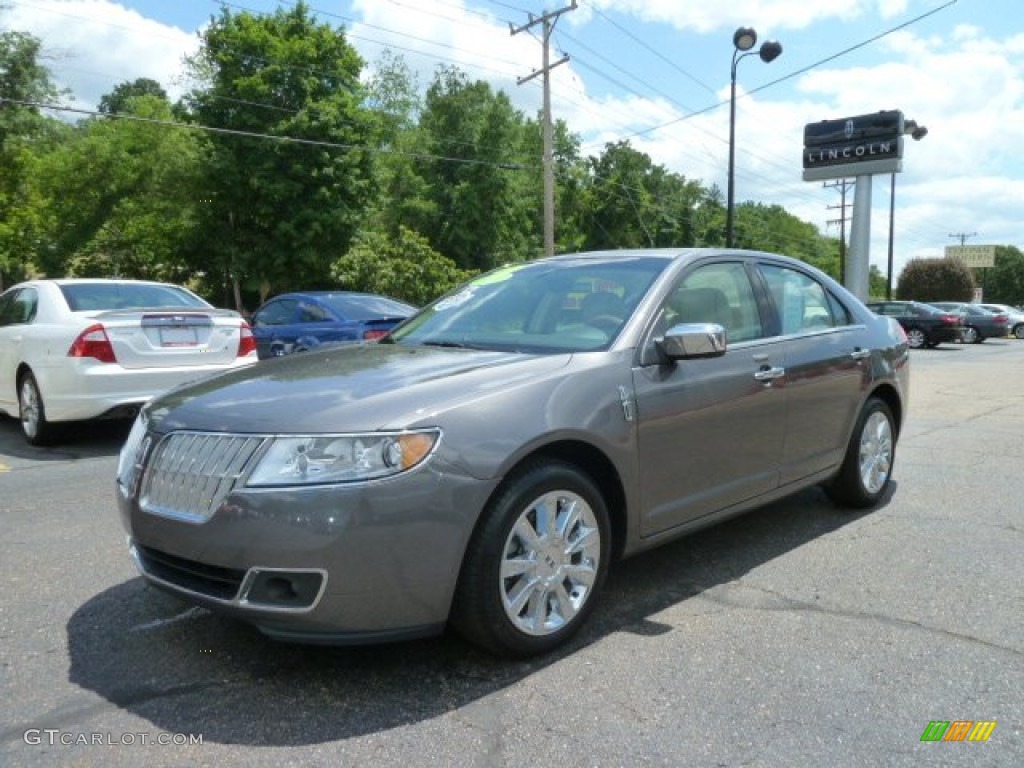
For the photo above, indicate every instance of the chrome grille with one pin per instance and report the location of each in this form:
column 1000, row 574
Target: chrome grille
column 191, row 473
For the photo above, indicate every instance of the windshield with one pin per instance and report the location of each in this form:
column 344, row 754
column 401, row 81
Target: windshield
column 547, row 306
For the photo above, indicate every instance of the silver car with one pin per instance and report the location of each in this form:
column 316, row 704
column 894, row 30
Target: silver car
column 484, row 464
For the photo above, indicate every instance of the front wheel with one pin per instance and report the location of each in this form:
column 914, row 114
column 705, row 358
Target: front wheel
column 866, row 471
column 536, row 562
column 970, row 335
column 32, row 413
column 1018, row 330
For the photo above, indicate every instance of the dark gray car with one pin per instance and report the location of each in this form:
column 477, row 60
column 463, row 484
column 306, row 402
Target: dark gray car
column 484, row 464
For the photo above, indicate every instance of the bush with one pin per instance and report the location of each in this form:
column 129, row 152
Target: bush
column 406, row 268
column 936, row 280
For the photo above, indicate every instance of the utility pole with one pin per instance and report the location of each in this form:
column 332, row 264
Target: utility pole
column 842, row 185
column 548, row 20
column 962, row 236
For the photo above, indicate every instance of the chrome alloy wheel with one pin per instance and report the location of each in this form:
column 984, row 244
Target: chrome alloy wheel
column 30, row 405
column 876, row 451
column 550, row 563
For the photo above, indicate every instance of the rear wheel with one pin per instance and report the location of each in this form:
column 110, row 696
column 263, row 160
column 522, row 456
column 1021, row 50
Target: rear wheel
column 916, row 338
column 32, row 413
column 536, row 562
column 866, row 471
column 1018, row 330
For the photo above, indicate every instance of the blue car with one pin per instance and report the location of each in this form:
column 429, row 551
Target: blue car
column 294, row 322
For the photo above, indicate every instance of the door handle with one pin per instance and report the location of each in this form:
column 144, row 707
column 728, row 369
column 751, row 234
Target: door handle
column 768, row 375
column 860, row 354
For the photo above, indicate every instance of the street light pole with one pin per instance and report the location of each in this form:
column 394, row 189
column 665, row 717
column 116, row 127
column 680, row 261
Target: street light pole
column 743, row 40
column 916, row 132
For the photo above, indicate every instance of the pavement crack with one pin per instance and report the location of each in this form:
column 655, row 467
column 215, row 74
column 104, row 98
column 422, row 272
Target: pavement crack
column 726, row 595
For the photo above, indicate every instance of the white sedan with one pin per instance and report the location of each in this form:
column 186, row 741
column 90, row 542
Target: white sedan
column 78, row 349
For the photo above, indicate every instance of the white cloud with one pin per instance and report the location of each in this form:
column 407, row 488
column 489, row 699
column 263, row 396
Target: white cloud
column 91, row 46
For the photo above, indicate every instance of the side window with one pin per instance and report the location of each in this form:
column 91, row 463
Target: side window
column 717, row 293
column 802, row 302
column 276, row 313
column 313, row 313
column 18, row 307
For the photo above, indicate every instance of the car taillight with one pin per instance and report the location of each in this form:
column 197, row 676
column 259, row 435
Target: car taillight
column 93, row 342
column 951, row 319
column 247, row 342
column 374, row 333
column 1000, row 319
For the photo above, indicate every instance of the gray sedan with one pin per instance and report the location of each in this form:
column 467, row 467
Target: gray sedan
column 483, row 465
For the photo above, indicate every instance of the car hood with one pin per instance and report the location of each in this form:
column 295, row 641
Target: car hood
column 350, row 388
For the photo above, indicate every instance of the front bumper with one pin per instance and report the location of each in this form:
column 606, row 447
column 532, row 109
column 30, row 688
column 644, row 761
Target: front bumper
column 338, row 564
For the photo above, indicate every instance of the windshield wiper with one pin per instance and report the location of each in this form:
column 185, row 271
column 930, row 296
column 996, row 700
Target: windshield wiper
column 447, row 344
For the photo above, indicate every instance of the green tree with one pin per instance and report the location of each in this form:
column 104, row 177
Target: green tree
column 403, row 196
column 405, row 267
column 935, row 280
column 1004, row 283
column 120, row 99
column 477, row 215
column 25, row 135
column 122, row 197
column 289, row 183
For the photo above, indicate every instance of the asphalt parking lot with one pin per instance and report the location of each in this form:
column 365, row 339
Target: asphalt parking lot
column 796, row 635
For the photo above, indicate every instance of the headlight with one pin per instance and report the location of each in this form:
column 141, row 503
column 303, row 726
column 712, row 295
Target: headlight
column 325, row 459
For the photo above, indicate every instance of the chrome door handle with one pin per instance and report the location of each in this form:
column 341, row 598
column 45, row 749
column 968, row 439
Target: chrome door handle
column 860, row 354
column 770, row 374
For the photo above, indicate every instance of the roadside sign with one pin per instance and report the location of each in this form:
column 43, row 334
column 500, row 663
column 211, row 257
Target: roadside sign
column 977, row 256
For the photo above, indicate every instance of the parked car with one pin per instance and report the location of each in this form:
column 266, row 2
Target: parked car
column 296, row 322
column 979, row 324
column 484, row 463
column 925, row 325
column 98, row 349
column 1014, row 317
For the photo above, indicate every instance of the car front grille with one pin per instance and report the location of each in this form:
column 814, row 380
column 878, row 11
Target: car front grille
column 191, row 473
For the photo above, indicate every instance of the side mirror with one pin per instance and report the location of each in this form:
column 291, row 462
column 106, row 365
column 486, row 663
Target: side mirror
column 693, row 340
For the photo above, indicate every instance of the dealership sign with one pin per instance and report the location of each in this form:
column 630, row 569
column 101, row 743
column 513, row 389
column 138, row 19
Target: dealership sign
column 854, row 146
column 977, row 256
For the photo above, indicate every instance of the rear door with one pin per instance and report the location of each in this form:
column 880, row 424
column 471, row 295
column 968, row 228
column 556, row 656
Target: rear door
column 828, row 359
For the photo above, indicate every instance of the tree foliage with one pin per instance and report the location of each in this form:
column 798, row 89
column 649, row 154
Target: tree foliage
column 1004, row 283
column 935, row 280
column 121, row 99
column 406, row 268
column 289, row 180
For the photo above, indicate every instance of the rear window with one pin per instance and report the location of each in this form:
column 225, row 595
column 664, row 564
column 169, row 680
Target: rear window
column 84, row 297
column 366, row 307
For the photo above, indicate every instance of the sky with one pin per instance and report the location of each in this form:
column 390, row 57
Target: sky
column 657, row 73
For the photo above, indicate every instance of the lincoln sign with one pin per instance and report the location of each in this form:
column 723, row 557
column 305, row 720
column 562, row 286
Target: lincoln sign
column 854, row 146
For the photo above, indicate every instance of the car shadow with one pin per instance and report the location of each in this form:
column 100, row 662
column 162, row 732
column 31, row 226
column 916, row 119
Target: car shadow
column 76, row 440
column 190, row 671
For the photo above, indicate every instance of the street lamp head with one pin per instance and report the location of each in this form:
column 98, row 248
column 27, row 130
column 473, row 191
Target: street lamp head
column 744, row 38
column 770, row 51
column 916, row 132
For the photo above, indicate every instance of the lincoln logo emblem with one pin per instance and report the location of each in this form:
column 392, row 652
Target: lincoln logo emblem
column 848, row 129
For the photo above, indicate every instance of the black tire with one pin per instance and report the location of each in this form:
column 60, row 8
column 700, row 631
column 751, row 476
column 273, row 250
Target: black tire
column 916, row 338
column 1018, row 330
column 866, row 471
column 557, row 573
column 32, row 413
column 970, row 335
